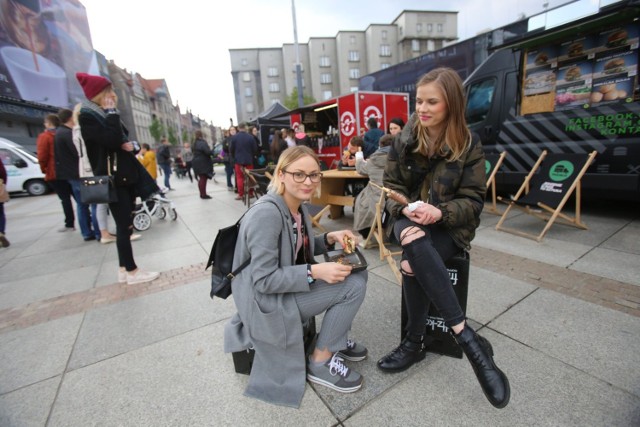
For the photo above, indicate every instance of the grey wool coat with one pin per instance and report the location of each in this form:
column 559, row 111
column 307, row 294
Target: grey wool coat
column 365, row 209
column 268, row 318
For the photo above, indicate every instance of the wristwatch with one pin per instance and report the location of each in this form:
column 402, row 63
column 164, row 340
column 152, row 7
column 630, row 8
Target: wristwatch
column 310, row 278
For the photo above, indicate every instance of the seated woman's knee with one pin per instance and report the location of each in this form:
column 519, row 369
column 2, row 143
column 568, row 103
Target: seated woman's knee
column 410, row 234
column 405, row 268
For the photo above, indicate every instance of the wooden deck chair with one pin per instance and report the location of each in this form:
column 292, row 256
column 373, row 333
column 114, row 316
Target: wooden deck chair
column 316, row 213
column 377, row 232
column 492, row 164
column 547, row 189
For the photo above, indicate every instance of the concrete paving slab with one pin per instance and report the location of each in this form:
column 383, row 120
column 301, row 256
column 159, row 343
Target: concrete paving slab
column 22, row 292
column 544, row 391
column 492, row 294
column 625, row 240
column 36, row 353
column 118, row 328
column 551, row 251
column 616, row 265
column 602, row 342
column 29, row 406
column 183, row 381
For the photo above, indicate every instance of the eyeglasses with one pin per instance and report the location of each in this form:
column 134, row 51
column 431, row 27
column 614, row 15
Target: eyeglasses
column 301, row 177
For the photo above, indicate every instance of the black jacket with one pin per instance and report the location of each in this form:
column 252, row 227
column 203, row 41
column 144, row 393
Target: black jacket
column 65, row 154
column 202, row 163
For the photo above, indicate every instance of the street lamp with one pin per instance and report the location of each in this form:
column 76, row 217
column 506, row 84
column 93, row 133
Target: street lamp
column 295, row 44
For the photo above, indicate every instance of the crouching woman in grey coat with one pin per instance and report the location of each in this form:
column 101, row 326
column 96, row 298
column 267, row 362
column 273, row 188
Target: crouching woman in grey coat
column 283, row 286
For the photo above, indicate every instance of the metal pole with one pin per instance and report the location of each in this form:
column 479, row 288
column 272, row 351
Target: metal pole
column 298, row 66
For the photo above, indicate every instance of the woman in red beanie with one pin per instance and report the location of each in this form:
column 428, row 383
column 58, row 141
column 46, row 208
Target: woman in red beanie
column 110, row 152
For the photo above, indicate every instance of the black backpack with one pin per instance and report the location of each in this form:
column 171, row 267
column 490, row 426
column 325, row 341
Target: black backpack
column 221, row 258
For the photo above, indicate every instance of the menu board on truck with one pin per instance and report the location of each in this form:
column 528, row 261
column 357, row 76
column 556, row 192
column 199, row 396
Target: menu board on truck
column 573, row 86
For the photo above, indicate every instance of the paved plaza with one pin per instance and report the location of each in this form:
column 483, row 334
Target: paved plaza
column 79, row 349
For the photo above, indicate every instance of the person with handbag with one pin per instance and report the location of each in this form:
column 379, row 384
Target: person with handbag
column 280, row 289
column 438, row 166
column 4, row 243
column 110, row 152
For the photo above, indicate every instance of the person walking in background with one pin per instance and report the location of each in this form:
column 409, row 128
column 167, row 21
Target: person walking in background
column 364, row 210
column 227, row 160
column 282, row 288
column 110, row 152
column 202, row 163
column 46, row 159
column 439, row 167
column 4, row 242
column 148, row 160
column 187, row 157
column 371, row 137
column 67, row 169
column 395, row 126
column 243, row 150
column 164, row 161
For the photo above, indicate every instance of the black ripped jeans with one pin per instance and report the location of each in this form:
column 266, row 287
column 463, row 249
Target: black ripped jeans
column 430, row 281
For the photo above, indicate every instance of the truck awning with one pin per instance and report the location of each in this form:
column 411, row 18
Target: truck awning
column 319, row 106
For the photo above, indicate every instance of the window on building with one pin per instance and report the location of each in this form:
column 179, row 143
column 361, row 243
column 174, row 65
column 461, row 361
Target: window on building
column 429, row 28
column 354, row 88
column 275, row 100
column 418, row 28
column 384, row 34
column 354, row 56
column 431, row 46
column 352, row 39
column 273, row 72
column 244, row 62
column 415, row 45
column 248, row 92
column 354, row 73
column 384, row 65
column 326, row 94
column 246, row 77
column 385, row 50
column 325, row 61
column 325, row 78
column 249, row 107
column 439, row 28
column 274, row 87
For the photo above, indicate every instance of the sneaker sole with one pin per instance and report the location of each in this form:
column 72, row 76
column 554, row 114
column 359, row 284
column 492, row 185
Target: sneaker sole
column 137, row 282
column 332, row 386
column 352, row 358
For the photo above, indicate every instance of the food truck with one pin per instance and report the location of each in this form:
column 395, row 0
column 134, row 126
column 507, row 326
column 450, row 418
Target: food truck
column 332, row 123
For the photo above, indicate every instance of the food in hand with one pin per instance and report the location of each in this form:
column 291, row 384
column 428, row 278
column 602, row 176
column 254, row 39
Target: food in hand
column 349, row 245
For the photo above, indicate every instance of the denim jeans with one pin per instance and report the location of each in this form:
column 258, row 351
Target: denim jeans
column 87, row 219
column 166, row 170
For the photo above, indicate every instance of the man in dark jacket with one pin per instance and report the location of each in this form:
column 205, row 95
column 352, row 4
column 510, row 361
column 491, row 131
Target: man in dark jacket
column 371, row 137
column 243, row 149
column 67, row 171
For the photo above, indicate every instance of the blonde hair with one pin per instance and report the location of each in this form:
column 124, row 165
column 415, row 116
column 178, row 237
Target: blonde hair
column 455, row 138
column 287, row 157
column 98, row 98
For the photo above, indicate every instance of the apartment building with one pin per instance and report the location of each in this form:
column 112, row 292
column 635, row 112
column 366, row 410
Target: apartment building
column 332, row 66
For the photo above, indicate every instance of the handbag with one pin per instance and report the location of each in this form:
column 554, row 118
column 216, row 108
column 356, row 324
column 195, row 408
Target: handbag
column 4, row 194
column 98, row 189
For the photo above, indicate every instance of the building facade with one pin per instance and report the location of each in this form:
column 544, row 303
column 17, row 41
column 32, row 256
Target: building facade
column 332, row 66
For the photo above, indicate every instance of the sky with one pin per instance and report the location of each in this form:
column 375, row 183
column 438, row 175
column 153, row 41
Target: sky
column 187, row 42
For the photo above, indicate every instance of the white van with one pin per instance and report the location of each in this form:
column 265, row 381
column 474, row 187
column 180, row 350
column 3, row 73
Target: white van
column 23, row 170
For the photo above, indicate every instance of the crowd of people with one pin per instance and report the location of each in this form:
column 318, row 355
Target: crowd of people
column 433, row 163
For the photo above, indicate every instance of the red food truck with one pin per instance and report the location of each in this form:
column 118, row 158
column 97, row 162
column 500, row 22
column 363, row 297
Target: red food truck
column 332, row 123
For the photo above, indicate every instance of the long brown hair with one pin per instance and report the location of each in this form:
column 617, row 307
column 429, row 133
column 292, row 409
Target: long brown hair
column 455, row 137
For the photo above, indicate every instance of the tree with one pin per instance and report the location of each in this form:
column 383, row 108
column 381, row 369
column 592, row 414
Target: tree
column 156, row 129
column 171, row 136
column 291, row 101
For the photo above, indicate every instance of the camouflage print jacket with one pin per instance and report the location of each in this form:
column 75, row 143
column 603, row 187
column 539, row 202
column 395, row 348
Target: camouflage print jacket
column 456, row 188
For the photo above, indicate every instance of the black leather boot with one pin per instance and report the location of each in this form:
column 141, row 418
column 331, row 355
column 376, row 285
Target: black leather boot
column 403, row 356
column 493, row 381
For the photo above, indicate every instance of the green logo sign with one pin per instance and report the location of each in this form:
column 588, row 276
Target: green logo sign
column 487, row 167
column 561, row 171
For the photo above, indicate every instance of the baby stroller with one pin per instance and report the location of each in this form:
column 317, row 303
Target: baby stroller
column 157, row 205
